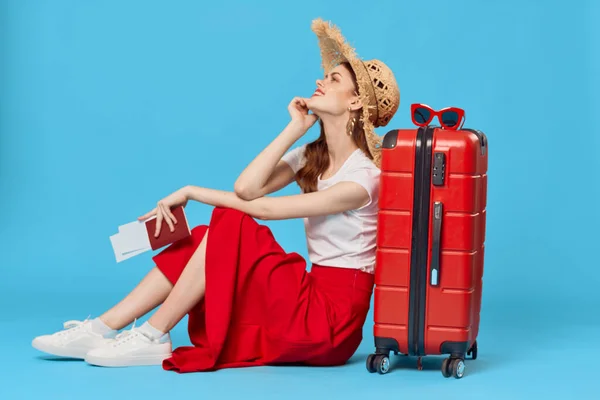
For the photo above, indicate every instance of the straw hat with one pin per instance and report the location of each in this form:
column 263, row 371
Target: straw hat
column 377, row 86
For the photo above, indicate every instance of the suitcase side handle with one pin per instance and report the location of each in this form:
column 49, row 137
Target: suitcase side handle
column 434, row 267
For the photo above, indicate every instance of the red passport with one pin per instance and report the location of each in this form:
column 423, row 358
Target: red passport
column 181, row 230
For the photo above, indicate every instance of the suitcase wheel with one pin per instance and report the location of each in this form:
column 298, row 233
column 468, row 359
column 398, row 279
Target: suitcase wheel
column 371, row 363
column 445, row 369
column 453, row 367
column 378, row 363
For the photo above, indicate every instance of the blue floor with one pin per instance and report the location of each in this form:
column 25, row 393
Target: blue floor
column 534, row 357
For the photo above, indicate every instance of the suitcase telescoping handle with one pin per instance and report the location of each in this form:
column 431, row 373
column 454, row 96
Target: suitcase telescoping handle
column 435, row 248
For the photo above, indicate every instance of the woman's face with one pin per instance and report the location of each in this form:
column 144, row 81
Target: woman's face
column 335, row 93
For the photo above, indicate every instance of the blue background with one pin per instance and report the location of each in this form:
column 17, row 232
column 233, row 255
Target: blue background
column 108, row 106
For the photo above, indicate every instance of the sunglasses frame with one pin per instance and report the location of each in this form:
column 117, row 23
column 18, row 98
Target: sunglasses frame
column 433, row 113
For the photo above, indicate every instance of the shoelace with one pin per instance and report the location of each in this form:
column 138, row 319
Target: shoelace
column 128, row 335
column 72, row 325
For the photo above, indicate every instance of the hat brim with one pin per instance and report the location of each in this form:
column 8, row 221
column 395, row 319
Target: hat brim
column 335, row 50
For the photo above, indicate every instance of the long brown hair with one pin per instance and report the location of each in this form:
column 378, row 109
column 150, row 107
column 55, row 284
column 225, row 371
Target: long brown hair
column 317, row 155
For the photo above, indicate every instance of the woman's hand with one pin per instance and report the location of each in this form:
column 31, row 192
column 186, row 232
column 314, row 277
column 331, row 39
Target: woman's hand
column 299, row 112
column 163, row 209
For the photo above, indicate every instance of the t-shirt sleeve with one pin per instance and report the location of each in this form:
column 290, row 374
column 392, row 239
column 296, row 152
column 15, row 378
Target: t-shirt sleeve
column 295, row 158
column 368, row 178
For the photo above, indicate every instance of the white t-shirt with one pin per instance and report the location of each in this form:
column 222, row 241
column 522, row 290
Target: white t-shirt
column 347, row 239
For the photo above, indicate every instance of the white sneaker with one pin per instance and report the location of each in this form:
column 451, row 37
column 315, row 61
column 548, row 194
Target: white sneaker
column 74, row 342
column 131, row 348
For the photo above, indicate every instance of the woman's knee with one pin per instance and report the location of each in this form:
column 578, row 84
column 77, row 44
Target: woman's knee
column 228, row 211
column 178, row 257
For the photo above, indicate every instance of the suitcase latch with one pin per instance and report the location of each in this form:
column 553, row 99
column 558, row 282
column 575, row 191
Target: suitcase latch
column 439, row 168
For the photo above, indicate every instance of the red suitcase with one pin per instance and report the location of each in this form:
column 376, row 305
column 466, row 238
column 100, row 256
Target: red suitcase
column 430, row 246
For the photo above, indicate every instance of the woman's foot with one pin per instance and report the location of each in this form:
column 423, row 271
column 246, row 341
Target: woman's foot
column 138, row 346
column 77, row 338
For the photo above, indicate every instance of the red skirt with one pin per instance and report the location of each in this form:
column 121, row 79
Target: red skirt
column 261, row 306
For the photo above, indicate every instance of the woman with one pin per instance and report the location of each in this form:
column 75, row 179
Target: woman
column 249, row 302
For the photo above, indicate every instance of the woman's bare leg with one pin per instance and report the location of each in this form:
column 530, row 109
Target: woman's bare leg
column 154, row 344
column 148, row 294
column 186, row 293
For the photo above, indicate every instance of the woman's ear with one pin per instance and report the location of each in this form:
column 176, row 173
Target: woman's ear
column 355, row 103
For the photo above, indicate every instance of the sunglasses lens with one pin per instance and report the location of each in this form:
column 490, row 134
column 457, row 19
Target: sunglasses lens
column 421, row 115
column 450, row 118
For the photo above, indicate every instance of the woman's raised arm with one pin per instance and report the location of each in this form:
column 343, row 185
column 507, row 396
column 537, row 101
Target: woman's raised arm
column 266, row 173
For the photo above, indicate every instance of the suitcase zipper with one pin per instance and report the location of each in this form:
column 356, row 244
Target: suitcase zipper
column 420, row 240
column 412, row 307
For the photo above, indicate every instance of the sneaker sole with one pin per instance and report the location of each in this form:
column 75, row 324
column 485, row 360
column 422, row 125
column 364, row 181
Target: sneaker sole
column 126, row 361
column 77, row 352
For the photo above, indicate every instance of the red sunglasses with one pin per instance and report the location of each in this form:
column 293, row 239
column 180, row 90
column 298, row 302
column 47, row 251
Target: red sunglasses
column 449, row 117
